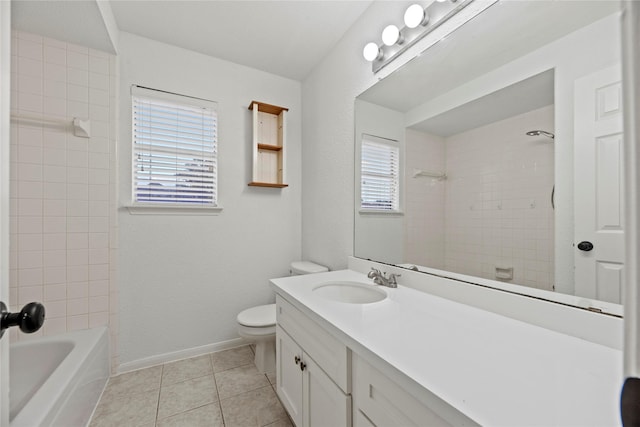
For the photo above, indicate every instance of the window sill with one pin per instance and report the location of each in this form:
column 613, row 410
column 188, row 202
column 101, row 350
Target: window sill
column 379, row 212
column 172, row 210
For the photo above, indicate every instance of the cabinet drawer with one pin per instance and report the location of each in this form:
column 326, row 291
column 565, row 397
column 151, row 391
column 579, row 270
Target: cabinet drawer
column 384, row 403
column 330, row 354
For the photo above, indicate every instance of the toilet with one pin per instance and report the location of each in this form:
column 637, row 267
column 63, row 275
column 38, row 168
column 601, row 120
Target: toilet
column 258, row 324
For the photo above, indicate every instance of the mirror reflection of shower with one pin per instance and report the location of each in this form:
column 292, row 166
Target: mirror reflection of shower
column 551, row 136
column 541, row 132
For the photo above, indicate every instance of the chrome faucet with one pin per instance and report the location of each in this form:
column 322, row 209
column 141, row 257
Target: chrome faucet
column 382, row 279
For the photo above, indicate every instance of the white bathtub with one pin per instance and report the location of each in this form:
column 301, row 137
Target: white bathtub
column 57, row 380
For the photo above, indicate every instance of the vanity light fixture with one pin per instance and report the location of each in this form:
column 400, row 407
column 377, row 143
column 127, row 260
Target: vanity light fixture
column 391, row 35
column 371, row 52
column 415, row 15
column 419, row 21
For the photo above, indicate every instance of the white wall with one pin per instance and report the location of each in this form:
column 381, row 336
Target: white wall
column 63, row 186
column 328, row 95
column 183, row 279
column 378, row 235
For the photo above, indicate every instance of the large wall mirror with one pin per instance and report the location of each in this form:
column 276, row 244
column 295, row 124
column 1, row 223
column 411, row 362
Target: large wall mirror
column 507, row 137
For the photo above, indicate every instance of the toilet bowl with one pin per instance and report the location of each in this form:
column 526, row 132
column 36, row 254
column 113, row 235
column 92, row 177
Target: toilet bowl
column 258, row 324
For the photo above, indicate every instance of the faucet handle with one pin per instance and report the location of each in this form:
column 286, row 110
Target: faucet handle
column 393, row 277
column 373, row 273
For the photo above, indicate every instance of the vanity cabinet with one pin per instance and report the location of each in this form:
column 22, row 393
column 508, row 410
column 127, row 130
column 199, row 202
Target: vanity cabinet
column 308, row 363
column 321, row 382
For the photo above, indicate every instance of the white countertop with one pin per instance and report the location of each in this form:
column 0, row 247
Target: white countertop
column 495, row 370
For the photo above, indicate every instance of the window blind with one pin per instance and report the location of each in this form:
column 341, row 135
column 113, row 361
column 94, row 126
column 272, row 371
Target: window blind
column 174, row 149
column 380, row 171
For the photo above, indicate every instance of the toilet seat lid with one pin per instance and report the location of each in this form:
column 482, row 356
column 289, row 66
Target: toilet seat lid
column 258, row 317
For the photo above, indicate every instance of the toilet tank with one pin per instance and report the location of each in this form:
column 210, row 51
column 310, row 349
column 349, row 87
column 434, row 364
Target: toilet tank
column 306, row 267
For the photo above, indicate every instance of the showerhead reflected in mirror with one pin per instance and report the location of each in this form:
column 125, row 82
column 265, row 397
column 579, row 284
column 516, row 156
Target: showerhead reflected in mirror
column 541, row 132
column 510, row 125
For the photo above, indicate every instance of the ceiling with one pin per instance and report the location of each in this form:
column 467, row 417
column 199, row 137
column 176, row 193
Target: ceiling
column 287, row 38
column 524, row 96
column 78, row 22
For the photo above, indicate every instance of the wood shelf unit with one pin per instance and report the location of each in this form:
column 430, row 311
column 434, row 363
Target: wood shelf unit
column 269, row 145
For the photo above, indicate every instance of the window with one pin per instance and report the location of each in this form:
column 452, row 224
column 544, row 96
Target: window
column 174, row 150
column 379, row 174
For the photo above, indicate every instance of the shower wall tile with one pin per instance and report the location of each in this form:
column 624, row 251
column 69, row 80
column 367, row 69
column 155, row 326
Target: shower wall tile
column 425, row 200
column 494, row 208
column 62, row 193
column 498, row 209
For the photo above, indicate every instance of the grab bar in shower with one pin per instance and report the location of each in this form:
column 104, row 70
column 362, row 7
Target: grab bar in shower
column 81, row 128
column 437, row 175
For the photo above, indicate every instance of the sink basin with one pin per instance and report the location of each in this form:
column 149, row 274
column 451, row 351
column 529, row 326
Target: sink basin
column 350, row 292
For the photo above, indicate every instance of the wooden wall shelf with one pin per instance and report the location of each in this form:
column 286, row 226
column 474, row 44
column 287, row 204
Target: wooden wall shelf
column 269, row 145
column 267, row 184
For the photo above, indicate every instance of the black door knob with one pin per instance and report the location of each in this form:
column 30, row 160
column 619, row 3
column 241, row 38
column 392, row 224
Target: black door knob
column 585, row 246
column 29, row 320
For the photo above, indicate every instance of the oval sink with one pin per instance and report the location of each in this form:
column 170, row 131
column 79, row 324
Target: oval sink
column 350, row 292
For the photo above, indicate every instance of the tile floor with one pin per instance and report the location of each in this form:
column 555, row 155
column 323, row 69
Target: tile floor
column 217, row 389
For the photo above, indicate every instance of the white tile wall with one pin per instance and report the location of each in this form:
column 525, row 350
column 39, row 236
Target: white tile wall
column 497, row 209
column 63, row 187
column 424, row 200
column 498, row 205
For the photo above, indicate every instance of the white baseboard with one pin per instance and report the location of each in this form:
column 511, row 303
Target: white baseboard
column 159, row 359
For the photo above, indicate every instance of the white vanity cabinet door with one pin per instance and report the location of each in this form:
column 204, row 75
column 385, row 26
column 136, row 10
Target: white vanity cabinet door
column 288, row 375
column 306, row 391
column 325, row 405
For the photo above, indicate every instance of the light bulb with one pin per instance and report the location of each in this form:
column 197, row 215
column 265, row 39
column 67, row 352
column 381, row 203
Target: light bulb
column 415, row 15
column 390, row 35
column 371, row 52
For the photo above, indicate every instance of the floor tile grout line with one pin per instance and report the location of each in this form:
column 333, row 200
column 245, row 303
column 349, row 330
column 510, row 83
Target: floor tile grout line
column 190, row 379
column 187, row 410
column 224, row 423
column 245, row 391
column 159, row 395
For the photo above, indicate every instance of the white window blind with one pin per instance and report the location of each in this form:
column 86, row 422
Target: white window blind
column 174, row 149
column 380, row 174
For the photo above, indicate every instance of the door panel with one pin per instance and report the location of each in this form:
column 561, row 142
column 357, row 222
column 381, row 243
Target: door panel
column 289, row 375
column 326, row 404
column 598, row 185
column 5, row 106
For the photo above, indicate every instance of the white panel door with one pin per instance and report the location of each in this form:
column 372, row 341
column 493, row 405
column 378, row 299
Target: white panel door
column 5, row 106
column 598, row 184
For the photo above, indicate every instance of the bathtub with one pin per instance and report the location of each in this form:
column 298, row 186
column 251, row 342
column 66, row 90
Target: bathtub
column 57, row 380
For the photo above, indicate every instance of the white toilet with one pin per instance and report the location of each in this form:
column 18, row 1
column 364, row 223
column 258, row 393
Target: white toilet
column 258, row 324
